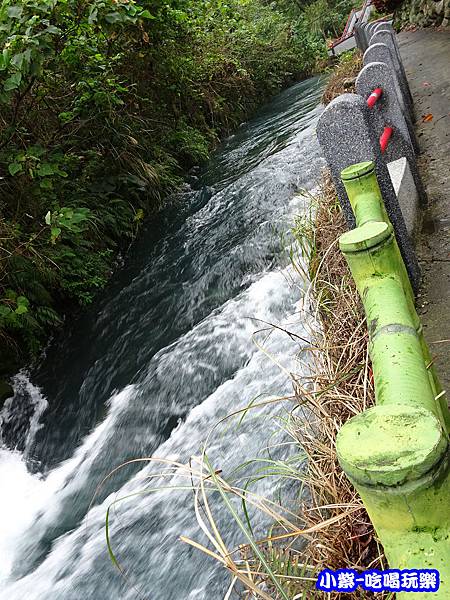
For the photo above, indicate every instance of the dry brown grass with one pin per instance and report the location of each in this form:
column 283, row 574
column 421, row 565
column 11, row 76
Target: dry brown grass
column 334, row 529
column 342, row 386
column 343, row 77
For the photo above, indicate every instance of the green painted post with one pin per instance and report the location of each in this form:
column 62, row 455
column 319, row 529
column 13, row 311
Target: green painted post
column 364, row 193
column 397, row 453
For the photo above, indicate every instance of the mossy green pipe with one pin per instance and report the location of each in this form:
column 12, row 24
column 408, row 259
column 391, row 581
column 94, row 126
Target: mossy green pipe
column 367, row 203
column 399, row 368
column 366, row 200
column 397, row 453
column 364, row 193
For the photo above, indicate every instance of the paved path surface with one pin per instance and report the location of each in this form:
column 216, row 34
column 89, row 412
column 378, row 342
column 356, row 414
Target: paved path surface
column 426, row 57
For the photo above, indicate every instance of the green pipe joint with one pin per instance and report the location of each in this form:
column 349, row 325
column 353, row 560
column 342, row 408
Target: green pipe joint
column 397, row 457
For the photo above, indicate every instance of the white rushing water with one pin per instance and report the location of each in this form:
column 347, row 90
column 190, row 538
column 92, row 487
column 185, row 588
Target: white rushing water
column 230, row 281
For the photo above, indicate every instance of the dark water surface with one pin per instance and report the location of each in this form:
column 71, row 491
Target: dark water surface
column 164, row 354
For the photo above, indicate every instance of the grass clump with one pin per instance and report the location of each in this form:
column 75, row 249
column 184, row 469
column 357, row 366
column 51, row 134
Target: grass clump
column 342, row 386
column 343, row 77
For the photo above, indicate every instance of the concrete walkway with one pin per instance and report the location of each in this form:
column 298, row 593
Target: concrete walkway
column 426, row 57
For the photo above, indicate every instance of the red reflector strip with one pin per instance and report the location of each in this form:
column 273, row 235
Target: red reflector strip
column 374, row 97
column 385, row 137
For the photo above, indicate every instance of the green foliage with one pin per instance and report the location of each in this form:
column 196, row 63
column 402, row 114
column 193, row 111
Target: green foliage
column 104, row 106
column 13, row 306
column 348, row 57
column 327, row 18
column 71, row 219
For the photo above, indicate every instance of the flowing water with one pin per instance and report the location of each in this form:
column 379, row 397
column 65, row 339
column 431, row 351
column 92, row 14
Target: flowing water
column 163, row 355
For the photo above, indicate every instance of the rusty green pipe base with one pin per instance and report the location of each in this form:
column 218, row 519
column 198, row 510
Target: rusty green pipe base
column 397, row 457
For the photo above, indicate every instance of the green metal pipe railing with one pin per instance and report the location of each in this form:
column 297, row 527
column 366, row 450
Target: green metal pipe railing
column 366, row 200
column 396, row 453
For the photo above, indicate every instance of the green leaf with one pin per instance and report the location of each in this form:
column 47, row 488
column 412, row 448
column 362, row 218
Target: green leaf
column 113, row 17
column 14, row 168
column 6, row 57
column 108, row 542
column 48, row 218
column 52, row 29
column 139, row 216
column 35, row 151
column 4, row 310
column 146, row 14
column 11, row 295
column 66, row 117
column 15, row 12
column 13, row 82
column 46, row 184
column 21, row 309
column 17, row 59
column 93, row 15
column 81, row 214
column 46, row 169
column 55, row 232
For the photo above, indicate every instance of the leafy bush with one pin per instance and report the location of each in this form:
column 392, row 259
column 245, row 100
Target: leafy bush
column 104, row 106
